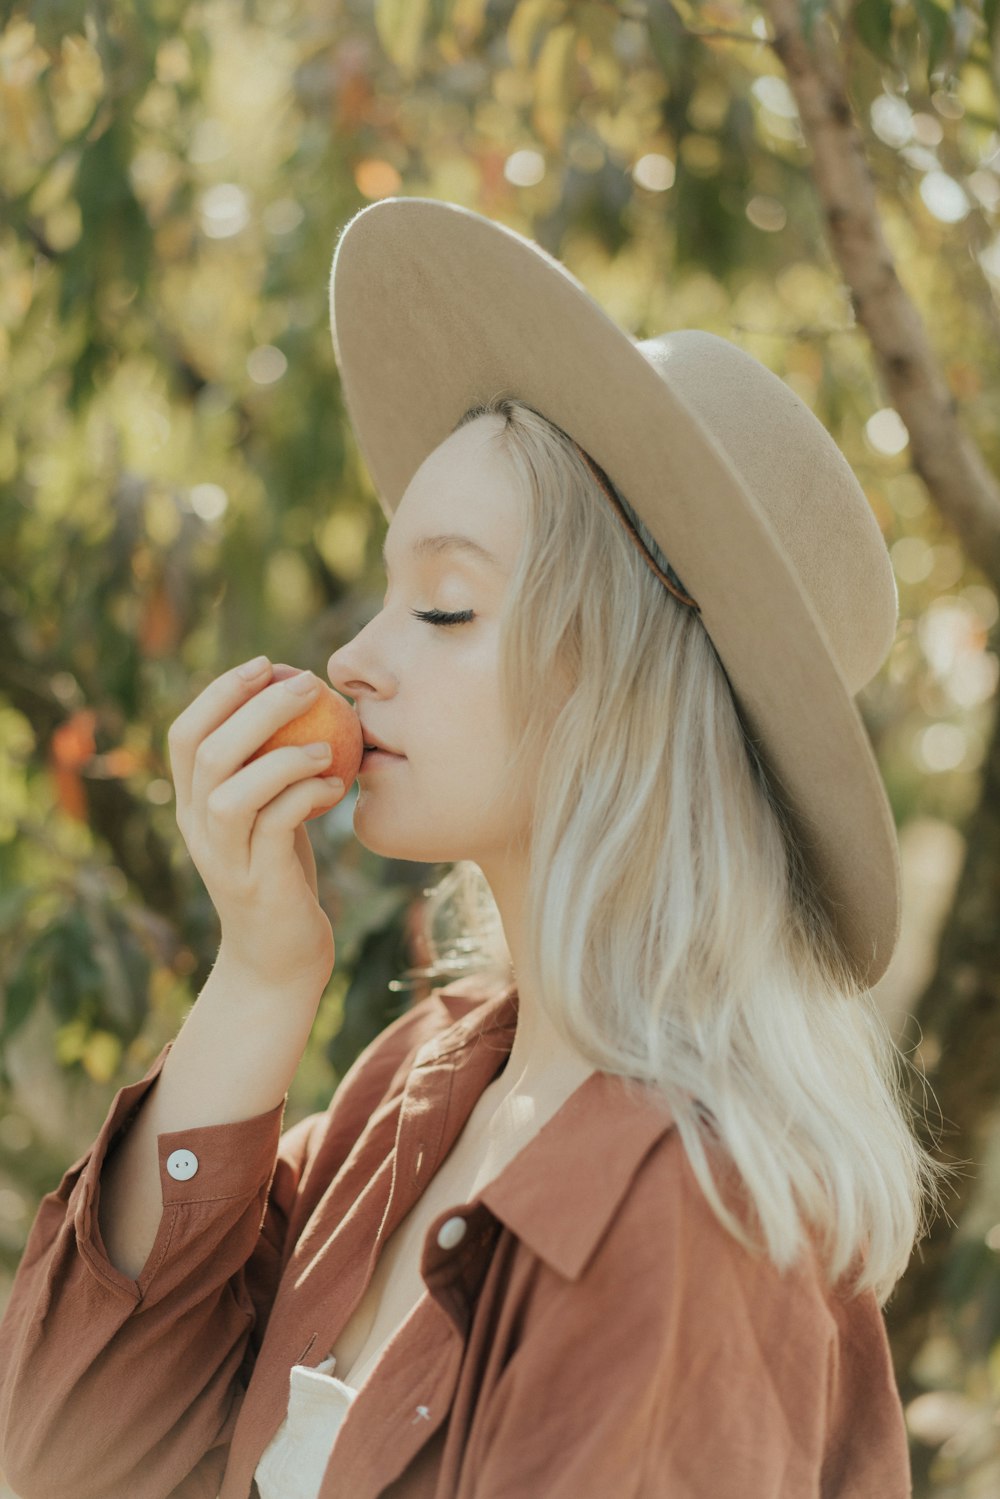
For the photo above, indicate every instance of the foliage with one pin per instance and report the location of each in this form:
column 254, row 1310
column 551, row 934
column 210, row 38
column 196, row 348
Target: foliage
column 179, row 487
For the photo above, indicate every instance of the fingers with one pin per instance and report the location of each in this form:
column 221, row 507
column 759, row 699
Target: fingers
column 259, row 854
column 306, row 857
column 274, row 792
column 230, row 746
column 202, row 717
column 288, row 813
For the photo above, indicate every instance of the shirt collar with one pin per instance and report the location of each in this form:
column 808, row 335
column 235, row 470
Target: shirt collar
column 560, row 1192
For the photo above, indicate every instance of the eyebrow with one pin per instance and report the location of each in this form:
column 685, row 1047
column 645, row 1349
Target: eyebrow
column 449, row 542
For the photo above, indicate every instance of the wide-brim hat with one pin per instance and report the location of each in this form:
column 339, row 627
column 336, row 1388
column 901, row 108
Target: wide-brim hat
column 434, row 308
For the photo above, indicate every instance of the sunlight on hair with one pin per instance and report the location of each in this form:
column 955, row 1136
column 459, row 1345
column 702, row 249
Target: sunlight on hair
column 677, row 936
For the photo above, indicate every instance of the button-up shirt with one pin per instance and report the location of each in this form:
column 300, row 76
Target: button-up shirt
column 588, row 1326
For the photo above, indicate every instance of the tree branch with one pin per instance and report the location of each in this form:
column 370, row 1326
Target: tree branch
column 946, row 458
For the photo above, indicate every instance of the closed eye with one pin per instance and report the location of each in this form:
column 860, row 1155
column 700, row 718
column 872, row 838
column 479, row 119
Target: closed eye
column 440, row 617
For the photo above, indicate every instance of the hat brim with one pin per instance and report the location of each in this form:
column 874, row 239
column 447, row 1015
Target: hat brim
column 433, row 308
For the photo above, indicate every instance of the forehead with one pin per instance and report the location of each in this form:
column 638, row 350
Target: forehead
column 451, row 543
column 463, row 501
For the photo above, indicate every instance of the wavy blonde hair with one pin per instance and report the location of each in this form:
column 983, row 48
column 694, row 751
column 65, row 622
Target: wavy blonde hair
column 674, row 931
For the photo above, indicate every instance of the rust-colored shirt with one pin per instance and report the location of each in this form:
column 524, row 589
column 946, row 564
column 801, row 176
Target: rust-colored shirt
column 592, row 1331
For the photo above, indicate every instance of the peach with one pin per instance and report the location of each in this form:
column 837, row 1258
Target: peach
column 330, row 717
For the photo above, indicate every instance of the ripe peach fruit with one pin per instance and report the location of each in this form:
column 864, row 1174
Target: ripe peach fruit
column 329, row 717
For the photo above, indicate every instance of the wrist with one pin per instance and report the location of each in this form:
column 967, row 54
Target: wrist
column 305, row 985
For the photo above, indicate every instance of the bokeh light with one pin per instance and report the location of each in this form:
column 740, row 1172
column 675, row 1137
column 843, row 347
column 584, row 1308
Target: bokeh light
column 886, row 431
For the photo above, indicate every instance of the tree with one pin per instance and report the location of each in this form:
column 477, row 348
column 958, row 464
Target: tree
column 180, row 489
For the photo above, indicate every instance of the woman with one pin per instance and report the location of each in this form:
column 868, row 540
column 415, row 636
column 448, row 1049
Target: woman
column 614, row 1213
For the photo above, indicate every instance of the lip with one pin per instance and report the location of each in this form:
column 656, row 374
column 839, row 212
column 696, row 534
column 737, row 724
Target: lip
column 371, row 759
column 376, row 743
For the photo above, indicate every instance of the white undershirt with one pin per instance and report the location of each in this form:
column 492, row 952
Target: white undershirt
column 294, row 1461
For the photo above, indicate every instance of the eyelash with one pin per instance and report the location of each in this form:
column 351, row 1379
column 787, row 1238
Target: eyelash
column 440, row 617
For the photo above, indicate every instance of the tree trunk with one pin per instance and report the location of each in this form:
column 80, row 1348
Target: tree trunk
column 958, row 1014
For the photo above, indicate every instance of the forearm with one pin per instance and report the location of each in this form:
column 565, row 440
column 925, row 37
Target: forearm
column 233, row 1059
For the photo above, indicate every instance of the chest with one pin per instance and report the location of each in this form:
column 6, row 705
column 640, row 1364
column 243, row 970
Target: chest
column 396, row 1284
column 496, row 1131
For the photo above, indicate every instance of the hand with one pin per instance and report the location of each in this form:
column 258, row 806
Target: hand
column 244, row 824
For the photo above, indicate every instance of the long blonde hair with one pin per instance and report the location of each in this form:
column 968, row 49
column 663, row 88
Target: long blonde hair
column 673, row 930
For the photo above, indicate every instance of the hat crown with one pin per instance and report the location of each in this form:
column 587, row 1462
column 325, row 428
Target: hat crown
column 800, row 480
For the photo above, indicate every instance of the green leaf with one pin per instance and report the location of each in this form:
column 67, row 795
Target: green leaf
column 935, row 29
column 13, row 904
column 53, row 20
column 669, row 39
column 18, row 1000
column 402, row 27
column 705, row 230
column 970, row 1265
column 440, row 15
column 369, row 1004
column 524, row 30
column 555, row 78
column 73, row 973
column 126, row 965
column 873, row 23
column 598, row 25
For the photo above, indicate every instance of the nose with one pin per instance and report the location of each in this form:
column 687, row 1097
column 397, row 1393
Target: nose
column 354, row 670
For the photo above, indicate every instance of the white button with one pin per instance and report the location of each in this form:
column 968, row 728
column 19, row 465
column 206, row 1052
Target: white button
column 182, row 1165
column 451, row 1232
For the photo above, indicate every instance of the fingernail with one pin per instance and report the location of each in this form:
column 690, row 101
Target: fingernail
column 253, row 668
column 319, row 751
column 304, row 682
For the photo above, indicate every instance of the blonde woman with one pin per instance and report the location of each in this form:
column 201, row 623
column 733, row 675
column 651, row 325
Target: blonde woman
column 616, row 1211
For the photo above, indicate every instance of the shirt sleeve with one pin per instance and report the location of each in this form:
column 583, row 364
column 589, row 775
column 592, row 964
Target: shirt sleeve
column 100, row 1373
column 678, row 1364
column 114, row 1388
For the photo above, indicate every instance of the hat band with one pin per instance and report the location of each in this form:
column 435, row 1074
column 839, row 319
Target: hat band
column 616, row 505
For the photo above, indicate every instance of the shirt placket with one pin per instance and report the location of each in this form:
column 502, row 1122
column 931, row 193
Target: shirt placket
column 320, row 1292
column 411, row 1390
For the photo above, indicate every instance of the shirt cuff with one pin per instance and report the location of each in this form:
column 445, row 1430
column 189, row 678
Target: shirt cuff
column 203, row 1164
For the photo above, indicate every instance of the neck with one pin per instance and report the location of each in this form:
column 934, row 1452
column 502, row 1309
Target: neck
column 542, row 1065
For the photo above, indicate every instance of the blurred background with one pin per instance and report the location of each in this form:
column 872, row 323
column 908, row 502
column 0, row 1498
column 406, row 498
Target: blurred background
column 180, row 490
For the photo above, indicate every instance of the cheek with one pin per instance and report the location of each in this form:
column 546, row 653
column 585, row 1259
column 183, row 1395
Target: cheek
column 465, row 687
column 466, row 751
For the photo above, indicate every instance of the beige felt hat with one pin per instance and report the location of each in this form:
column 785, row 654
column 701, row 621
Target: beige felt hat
column 434, row 307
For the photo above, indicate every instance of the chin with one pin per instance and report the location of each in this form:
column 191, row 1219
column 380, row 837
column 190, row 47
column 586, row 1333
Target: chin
column 392, row 842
